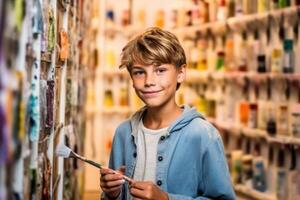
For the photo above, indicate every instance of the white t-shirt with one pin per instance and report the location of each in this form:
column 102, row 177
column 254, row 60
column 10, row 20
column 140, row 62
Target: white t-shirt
column 145, row 169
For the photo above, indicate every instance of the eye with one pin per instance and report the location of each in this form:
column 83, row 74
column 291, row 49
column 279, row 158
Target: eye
column 138, row 73
column 161, row 70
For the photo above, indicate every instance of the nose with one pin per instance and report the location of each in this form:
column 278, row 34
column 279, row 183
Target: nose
column 150, row 80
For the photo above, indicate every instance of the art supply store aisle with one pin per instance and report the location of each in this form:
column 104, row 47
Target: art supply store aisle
column 61, row 89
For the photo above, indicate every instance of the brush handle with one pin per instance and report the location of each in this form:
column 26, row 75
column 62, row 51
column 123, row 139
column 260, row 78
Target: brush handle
column 93, row 163
column 99, row 166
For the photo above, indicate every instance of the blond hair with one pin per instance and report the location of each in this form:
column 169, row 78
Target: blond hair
column 154, row 46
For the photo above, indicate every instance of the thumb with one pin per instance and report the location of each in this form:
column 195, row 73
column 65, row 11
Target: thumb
column 122, row 169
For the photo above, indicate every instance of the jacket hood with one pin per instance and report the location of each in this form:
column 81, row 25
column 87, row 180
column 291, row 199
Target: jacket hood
column 184, row 119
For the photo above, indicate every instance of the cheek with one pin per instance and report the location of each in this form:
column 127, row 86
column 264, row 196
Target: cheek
column 137, row 83
column 168, row 82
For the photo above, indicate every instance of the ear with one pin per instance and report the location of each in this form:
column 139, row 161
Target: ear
column 181, row 73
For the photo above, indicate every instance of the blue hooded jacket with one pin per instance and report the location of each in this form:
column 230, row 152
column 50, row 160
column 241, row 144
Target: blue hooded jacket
column 192, row 163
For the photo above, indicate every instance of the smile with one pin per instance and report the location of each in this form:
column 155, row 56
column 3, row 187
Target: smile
column 150, row 93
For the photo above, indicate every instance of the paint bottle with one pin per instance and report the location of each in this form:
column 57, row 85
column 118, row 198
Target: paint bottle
column 294, row 119
column 213, row 7
column 282, row 119
column 252, row 120
column 247, row 172
column 261, row 62
column 238, row 8
column 276, row 59
column 259, row 174
column 220, row 61
column 272, row 170
column 289, row 57
column 236, row 164
column 282, row 178
column 222, row 11
column 294, row 174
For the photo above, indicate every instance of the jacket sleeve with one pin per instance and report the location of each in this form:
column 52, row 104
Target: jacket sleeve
column 215, row 174
column 115, row 161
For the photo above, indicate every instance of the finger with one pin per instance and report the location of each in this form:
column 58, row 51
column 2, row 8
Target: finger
column 111, row 177
column 105, row 171
column 112, row 183
column 122, row 169
column 137, row 198
column 137, row 193
column 141, row 185
column 110, row 190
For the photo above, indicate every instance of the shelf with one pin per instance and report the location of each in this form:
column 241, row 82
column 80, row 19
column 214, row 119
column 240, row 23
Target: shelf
column 193, row 75
column 255, row 133
column 204, row 76
column 283, row 140
column 115, row 72
column 116, row 110
column 238, row 22
column 254, row 194
column 128, row 31
column 235, row 130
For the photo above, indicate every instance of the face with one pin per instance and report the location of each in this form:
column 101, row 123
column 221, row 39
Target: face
column 156, row 85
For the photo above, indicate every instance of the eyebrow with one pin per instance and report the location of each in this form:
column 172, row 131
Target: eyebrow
column 137, row 67
column 142, row 67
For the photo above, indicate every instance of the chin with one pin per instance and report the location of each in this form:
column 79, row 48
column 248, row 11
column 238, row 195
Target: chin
column 152, row 103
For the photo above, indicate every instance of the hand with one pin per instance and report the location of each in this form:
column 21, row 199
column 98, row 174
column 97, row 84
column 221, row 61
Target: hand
column 147, row 190
column 111, row 181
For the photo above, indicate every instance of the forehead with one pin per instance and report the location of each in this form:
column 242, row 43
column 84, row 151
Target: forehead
column 138, row 66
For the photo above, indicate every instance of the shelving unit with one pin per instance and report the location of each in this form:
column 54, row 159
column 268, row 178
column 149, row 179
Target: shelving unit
column 49, row 77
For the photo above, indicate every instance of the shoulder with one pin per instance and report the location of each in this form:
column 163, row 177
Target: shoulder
column 124, row 128
column 200, row 127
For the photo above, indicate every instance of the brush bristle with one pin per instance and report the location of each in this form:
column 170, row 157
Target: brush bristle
column 63, row 151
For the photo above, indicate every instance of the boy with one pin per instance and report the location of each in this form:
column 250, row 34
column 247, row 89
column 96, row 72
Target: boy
column 171, row 152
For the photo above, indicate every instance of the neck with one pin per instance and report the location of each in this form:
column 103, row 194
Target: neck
column 160, row 117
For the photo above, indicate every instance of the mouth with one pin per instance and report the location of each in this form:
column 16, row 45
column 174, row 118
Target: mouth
column 150, row 94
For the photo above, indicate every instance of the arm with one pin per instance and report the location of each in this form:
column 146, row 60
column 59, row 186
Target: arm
column 214, row 171
column 115, row 162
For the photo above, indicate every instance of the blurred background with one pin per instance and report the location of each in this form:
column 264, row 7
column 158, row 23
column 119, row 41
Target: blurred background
column 60, row 83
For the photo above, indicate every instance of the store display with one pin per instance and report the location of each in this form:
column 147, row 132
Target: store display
column 60, row 82
column 32, row 94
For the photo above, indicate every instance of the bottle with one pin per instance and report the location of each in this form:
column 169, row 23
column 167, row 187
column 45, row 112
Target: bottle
column 236, row 166
column 238, row 8
column 222, row 11
column 289, row 58
column 272, row 170
column 247, row 172
column 242, row 63
column 294, row 120
column 276, row 60
column 123, row 96
column 108, row 98
column 213, row 10
column 283, row 3
column 281, row 186
column 261, row 64
column 220, row 61
column 252, row 119
column 160, row 19
column 263, row 6
column 259, row 174
column 282, row 119
column 194, row 55
column 231, row 8
column 202, row 59
column 229, row 59
column 243, row 113
column 274, row 4
column 294, row 175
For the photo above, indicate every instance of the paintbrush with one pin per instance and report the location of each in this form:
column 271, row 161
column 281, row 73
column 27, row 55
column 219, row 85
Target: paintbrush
column 65, row 152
